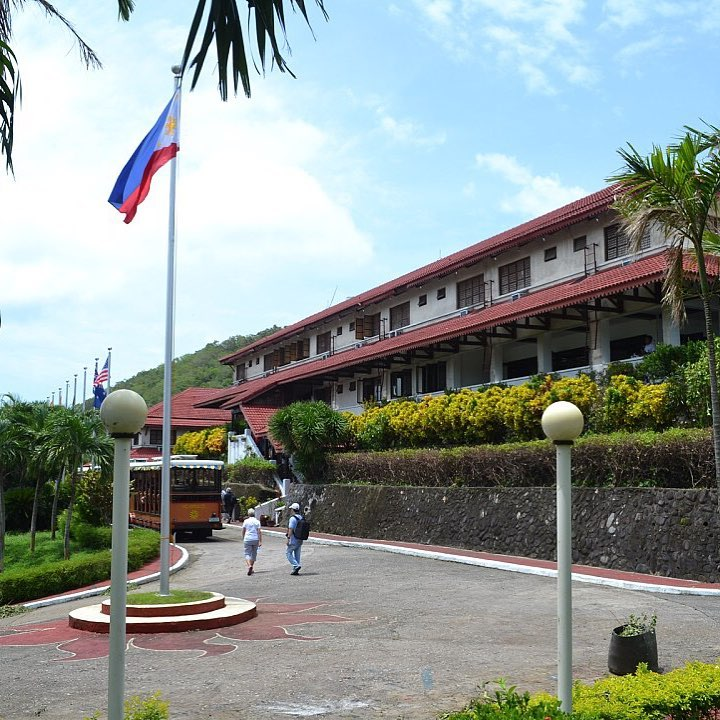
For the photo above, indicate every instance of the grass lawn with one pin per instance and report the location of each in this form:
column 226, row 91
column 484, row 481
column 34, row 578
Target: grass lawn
column 176, row 596
column 18, row 555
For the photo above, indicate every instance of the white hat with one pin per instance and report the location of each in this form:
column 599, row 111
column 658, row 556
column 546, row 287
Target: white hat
column 295, row 506
column 251, row 511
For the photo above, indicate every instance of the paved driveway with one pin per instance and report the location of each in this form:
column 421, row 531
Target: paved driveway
column 359, row 634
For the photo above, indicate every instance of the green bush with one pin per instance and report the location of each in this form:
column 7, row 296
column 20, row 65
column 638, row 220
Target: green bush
column 18, row 508
column 251, row 471
column 688, row 693
column 137, row 708
column 23, row 584
column 90, row 537
column 93, row 498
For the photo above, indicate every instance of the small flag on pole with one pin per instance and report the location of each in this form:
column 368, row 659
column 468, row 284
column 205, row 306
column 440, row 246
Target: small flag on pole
column 98, row 388
column 159, row 146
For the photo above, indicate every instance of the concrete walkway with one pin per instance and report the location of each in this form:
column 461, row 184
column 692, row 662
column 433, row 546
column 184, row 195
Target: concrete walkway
column 403, row 633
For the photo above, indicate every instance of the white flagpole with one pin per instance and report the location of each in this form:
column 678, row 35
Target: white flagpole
column 167, row 378
column 74, row 392
column 108, row 362
column 84, row 388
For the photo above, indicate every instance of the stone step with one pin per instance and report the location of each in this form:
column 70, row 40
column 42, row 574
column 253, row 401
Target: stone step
column 232, row 612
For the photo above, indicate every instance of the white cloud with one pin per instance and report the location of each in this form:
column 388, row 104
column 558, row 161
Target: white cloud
column 537, row 194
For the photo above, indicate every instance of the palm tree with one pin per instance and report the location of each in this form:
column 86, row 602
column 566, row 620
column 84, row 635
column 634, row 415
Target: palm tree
column 15, row 449
column 223, row 26
column 677, row 190
column 70, row 437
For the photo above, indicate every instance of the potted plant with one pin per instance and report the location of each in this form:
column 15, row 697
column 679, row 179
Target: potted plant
column 632, row 643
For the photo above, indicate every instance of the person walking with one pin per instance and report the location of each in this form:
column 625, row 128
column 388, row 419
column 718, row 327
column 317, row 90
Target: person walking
column 294, row 543
column 252, row 538
column 229, row 501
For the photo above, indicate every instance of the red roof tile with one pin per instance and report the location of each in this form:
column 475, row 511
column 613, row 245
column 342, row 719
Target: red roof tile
column 551, row 222
column 257, row 417
column 615, row 279
column 144, row 453
column 186, row 414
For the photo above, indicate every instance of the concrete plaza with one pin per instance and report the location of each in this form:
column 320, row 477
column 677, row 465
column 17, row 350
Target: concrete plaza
column 360, row 633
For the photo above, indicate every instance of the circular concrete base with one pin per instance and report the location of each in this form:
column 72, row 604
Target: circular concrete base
column 220, row 611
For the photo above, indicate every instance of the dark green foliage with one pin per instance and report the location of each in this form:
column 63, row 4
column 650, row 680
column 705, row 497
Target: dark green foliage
column 18, row 508
column 90, row 537
column 308, row 431
column 23, row 584
column 251, row 470
column 199, row 369
column 676, row 458
column 93, row 500
column 665, row 360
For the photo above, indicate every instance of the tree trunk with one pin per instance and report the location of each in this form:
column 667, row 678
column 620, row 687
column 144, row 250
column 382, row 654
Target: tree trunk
column 53, row 515
column 712, row 365
column 66, row 538
column 33, row 517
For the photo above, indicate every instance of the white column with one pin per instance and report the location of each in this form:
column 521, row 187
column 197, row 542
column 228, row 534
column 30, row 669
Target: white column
column 544, row 352
column 599, row 342
column 496, row 363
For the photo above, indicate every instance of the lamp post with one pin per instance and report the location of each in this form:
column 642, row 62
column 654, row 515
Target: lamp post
column 123, row 413
column 562, row 422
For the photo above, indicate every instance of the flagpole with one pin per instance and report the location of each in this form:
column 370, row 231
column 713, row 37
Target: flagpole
column 74, row 392
column 167, row 378
column 67, row 392
column 84, row 388
column 108, row 363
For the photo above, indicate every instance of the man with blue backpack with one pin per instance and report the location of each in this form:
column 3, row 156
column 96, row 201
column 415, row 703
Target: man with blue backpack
column 297, row 532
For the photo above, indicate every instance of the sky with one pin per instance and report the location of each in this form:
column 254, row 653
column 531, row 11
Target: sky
column 412, row 129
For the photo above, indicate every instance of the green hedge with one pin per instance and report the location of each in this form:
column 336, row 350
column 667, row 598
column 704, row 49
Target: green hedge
column 25, row 584
column 251, row 471
column 676, row 458
column 688, row 693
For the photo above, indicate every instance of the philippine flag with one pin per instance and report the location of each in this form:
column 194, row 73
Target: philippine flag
column 160, row 145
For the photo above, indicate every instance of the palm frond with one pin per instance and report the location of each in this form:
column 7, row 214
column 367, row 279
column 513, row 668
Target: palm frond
column 10, row 96
column 674, row 286
column 224, row 27
column 87, row 54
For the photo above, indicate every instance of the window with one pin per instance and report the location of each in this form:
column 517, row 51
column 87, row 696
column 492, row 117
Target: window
column 339, row 390
column 422, row 300
column 617, row 244
column 569, row 359
column 339, row 331
column 155, row 436
column 249, row 363
column 550, row 253
column 520, row 368
column 441, row 294
column 351, row 386
column 431, row 378
column 369, row 390
column 352, row 326
column 401, row 384
column 323, row 343
column 515, row 276
column 268, row 363
column 240, row 372
column 299, row 350
column 471, row 292
column 579, row 243
column 400, row 316
column 367, row 326
column 257, row 360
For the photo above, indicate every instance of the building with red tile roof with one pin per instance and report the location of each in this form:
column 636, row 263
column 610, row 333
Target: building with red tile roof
column 186, row 416
column 562, row 293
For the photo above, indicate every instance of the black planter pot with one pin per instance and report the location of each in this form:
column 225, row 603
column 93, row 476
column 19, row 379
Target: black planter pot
column 626, row 653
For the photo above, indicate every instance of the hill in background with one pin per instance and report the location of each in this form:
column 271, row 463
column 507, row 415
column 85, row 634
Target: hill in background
column 199, row 369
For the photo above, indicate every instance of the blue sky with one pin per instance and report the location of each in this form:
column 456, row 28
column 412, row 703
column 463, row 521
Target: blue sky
column 413, row 129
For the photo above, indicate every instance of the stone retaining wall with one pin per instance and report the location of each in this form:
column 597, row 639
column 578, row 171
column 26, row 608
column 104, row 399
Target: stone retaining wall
column 672, row 532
